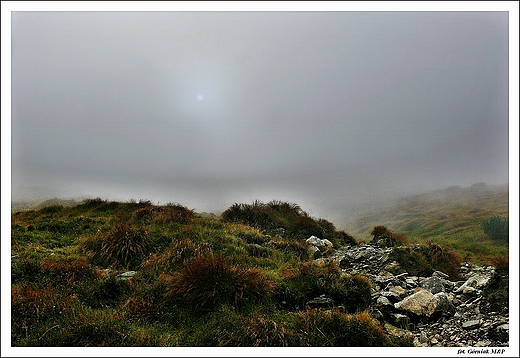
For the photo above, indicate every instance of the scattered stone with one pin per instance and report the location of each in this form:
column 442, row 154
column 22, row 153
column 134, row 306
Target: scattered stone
column 440, row 274
column 446, row 313
column 399, row 291
column 401, row 320
column 433, row 284
column 126, row 275
column 320, row 302
column 394, row 268
column 471, row 324
column 315, row 241
column 421, row 303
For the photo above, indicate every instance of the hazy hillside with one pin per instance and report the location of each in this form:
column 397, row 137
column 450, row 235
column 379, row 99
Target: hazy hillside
column 451, row 216
column 36, row 204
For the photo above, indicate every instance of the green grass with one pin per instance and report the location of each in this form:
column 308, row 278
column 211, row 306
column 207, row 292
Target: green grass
column 66, row 258
column 451, row 217
column 200, row 280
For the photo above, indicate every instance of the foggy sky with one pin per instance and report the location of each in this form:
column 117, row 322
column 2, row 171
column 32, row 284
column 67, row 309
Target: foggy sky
column 210, row 108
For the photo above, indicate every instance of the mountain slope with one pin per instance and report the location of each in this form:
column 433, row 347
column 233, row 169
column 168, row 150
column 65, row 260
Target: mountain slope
column 452, row 216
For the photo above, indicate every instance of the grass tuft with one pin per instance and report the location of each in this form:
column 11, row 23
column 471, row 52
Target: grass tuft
column 208, row 281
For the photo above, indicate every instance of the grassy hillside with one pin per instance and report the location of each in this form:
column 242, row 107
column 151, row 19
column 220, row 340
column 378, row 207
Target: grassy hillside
column 242, row 279
column 451, row 217
column 103, row 273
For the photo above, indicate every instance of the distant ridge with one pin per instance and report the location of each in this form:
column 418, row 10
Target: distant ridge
column 23, row 205
column 443, row 210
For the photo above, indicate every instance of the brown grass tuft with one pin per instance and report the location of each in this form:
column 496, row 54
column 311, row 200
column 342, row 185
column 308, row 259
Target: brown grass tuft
column 207, row 281
column 126, row 245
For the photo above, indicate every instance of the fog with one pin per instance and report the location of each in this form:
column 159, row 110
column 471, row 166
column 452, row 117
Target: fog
column 323, row 109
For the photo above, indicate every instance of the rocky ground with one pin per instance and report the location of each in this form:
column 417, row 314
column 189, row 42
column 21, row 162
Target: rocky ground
column 437, row 312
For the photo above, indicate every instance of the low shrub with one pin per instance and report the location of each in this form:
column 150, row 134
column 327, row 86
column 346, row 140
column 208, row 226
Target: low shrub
column 172, row 213
column 501, row 263
column 279, row 218
column 253, row 237
column 257, row 215
column 303, row 227
column 496, row 293
column 51, row 209
column 443, row 258
column 411, row 261
column 207, row 281
column 497, row 228
column 255, row 250
column 382, row 236
column 353, row 292
column 26, row 269
column 97, row 329
column 341, row 238
column 92, row 202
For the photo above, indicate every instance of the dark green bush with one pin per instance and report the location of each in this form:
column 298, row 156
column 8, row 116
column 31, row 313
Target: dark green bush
column 257, row 215
column 279, row 218
column 255, row 250
column 105, row 292
column 163, row 215
column 96, row 329
column 26, row 269
column 92, row 202
column 311, row 280
column 341, row 238
column 51, row 209
column 497, row 228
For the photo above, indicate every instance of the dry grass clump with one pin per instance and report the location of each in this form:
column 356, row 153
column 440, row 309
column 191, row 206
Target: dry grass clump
column 336, row 329
column 172, row 213
column 207, row 281
column 124, row 246
column 444, row 259
column 174, row 257
column 501, row 263
column 259, row 331
column 67, row 271
column 382, row 236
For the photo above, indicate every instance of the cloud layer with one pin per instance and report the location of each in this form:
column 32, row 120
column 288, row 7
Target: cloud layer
column 210, row 108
